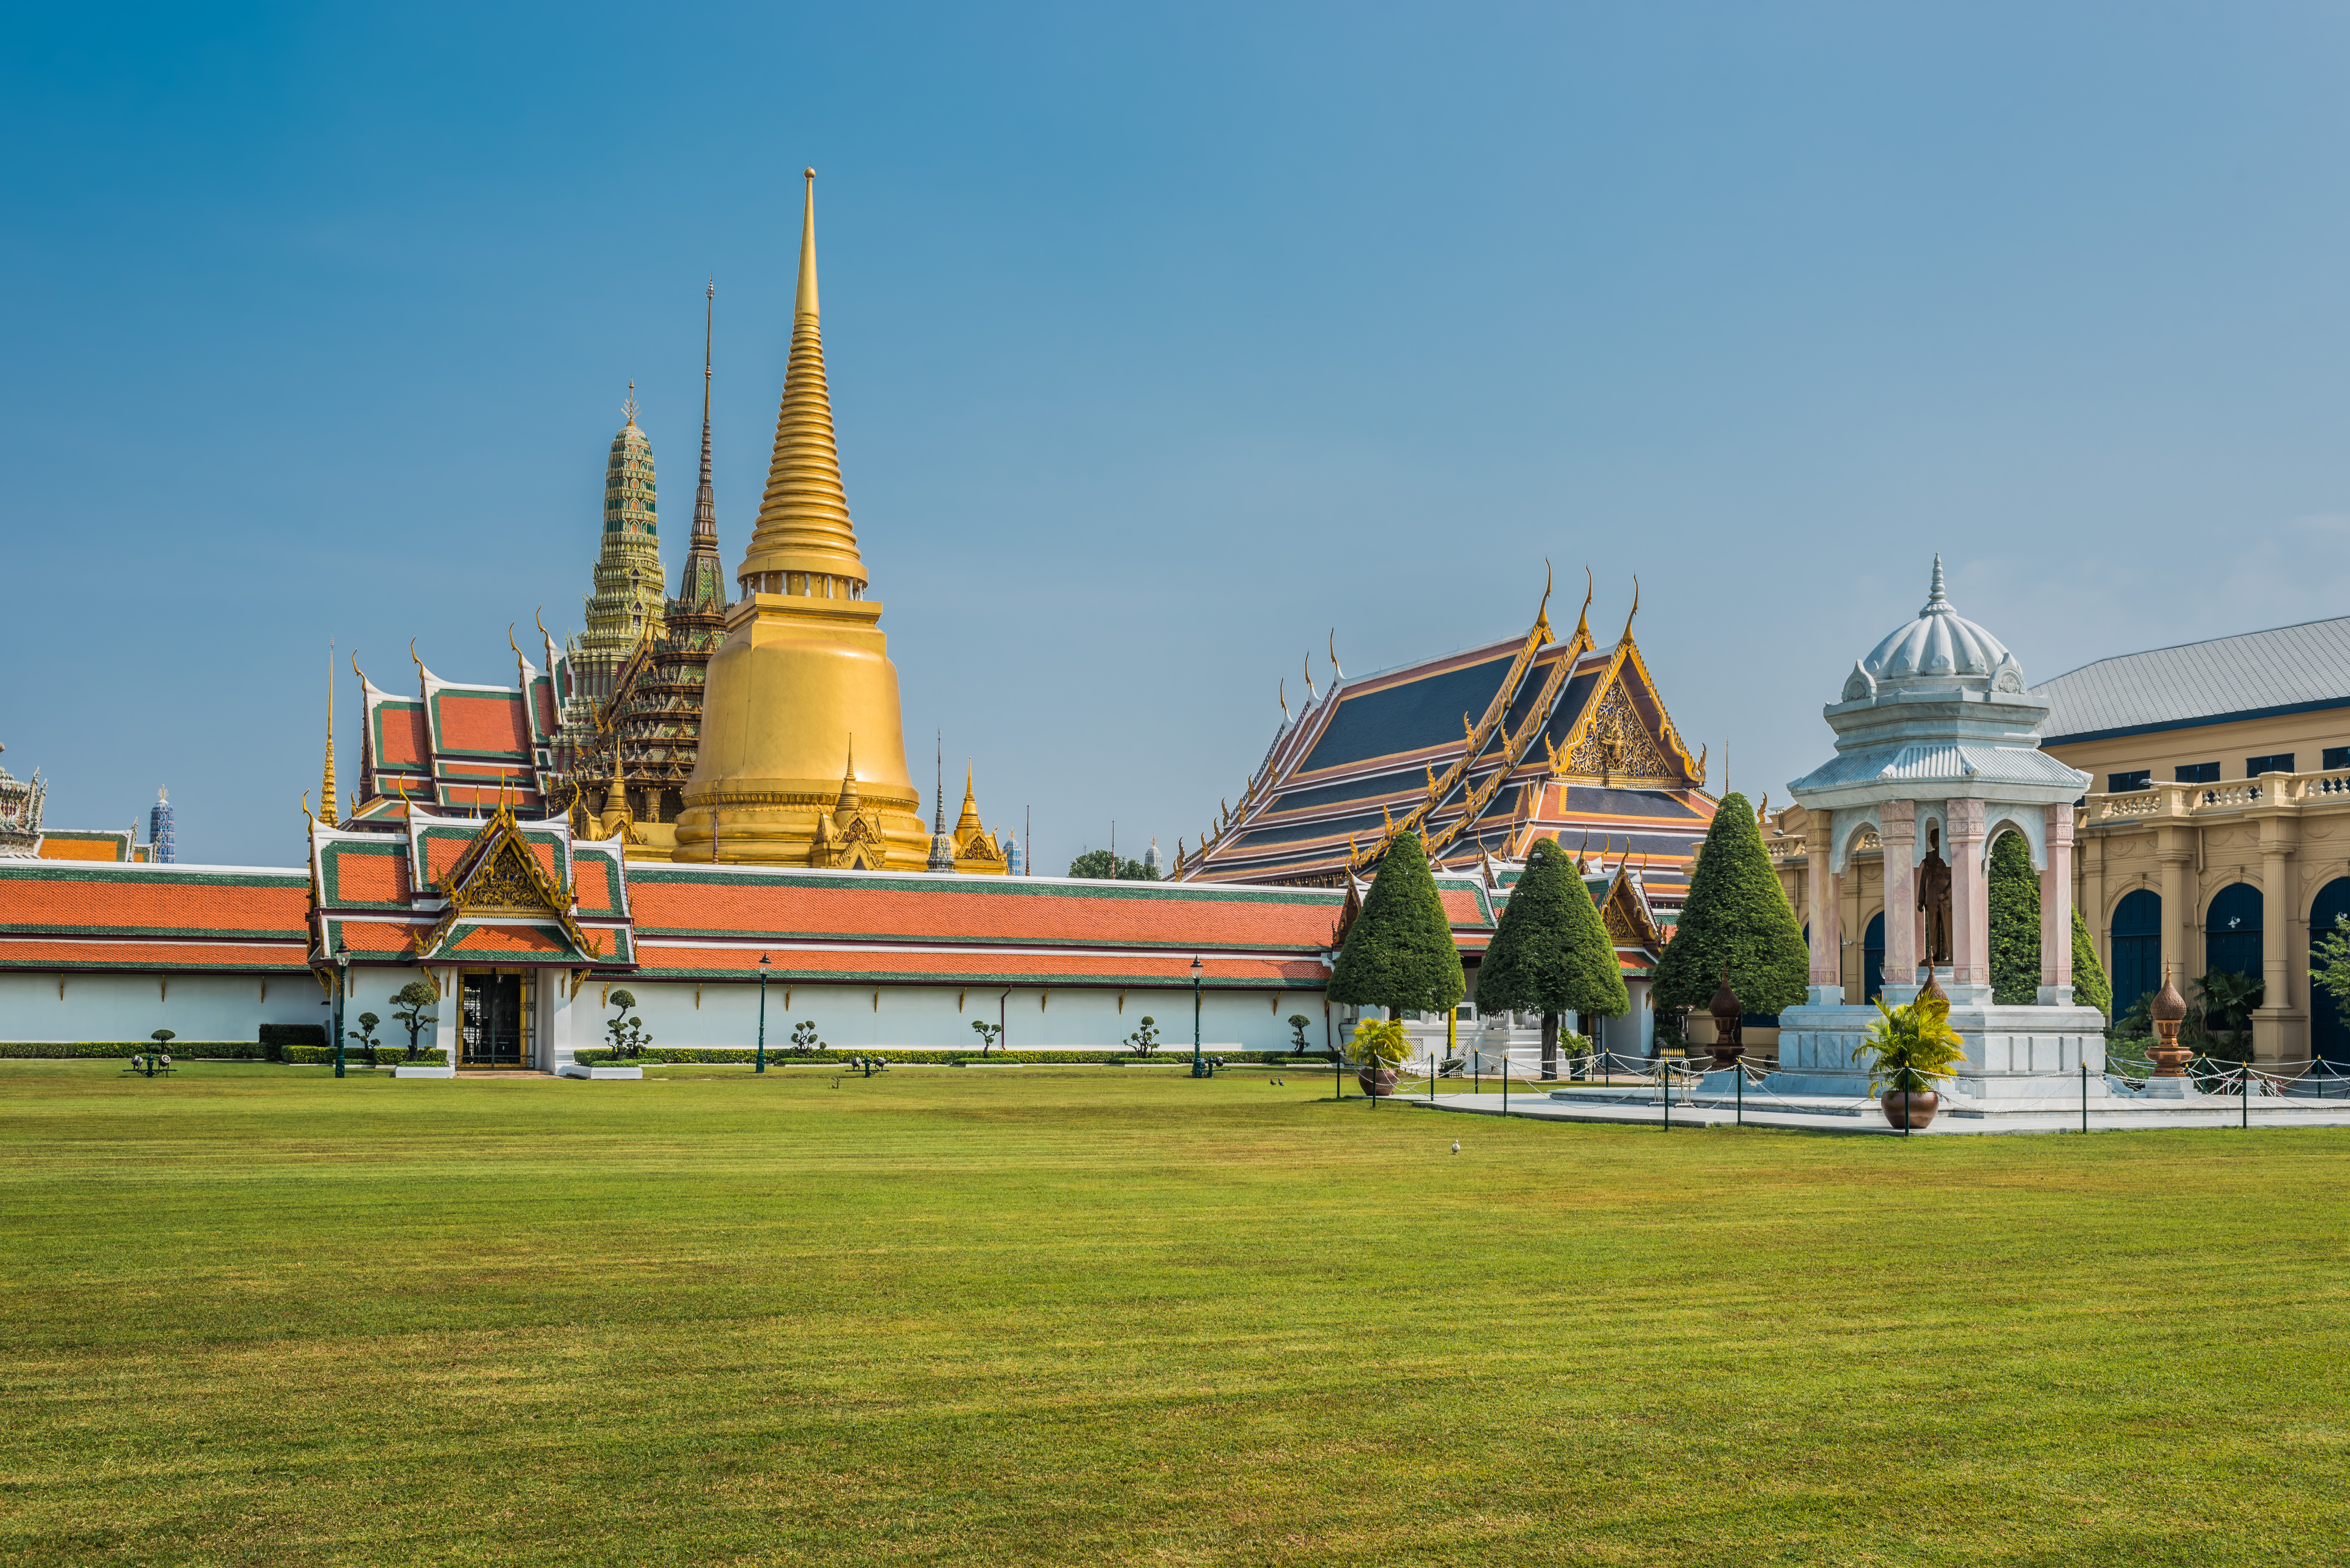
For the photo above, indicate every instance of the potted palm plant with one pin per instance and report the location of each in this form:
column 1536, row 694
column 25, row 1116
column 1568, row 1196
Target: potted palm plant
column 1908, row 1049
column 1377, row 1046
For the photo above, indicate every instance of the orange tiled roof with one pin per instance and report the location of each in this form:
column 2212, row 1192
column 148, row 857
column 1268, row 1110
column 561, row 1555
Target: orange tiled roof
column 17, row 952
column 1053, row 913
column 471, row 722
column 404, row 744
column 1023, row 967
column 135, row 900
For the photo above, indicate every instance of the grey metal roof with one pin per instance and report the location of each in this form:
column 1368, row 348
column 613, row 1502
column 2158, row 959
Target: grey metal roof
column 1961, row 765
column 2289, row 668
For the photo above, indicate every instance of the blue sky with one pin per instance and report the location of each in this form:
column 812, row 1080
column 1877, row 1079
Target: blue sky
column 1161, row 344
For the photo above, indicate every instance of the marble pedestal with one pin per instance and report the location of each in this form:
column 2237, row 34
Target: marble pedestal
column 2012, row 1053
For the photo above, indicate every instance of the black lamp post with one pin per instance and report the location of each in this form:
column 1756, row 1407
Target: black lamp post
column 1199, row 1065
column 763, row 1016
column 342, row 990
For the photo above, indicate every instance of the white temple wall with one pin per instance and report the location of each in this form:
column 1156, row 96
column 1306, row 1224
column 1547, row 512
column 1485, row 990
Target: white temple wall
column 927, row 1017
column 115, row 1007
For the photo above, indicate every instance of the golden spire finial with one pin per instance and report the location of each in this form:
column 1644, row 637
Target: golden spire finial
column 1583, row 615
column 326, row 783
column 1542, row 611
column 1636, row 610
column 1281, row 695
column 1310, row 693
column 629, row 407
column 804, row 529
column 849, row 800
column 1337, row 674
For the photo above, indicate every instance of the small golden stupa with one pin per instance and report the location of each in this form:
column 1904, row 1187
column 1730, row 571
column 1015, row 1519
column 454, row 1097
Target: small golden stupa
column 806, row 665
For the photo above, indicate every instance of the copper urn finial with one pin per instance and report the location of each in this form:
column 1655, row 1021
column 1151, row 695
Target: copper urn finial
column 2168, row 1010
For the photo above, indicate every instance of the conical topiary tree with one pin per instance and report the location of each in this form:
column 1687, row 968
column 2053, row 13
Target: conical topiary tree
column 1735, row 914
column 2090, row 986
column 2014, row 893
column 1399, row 952
column 1551, row 953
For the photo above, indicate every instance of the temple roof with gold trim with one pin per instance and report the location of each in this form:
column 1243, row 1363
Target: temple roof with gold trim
column 1483, row 751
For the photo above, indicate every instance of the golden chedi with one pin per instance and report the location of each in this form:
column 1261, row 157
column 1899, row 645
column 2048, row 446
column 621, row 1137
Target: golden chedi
column 805, row 673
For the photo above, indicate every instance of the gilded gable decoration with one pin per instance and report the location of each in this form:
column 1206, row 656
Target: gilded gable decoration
column 499, row 875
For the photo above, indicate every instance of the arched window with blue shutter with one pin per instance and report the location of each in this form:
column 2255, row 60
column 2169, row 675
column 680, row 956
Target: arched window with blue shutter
column 2137, row 949
column 2231, row 931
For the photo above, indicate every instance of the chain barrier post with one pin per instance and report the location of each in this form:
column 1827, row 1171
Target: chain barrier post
column 1664, row 1079
column 2248, row 1097
column 2085, row 1090
column 1741, row 1070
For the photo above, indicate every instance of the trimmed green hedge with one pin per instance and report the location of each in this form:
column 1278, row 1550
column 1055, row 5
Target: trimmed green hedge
column 356, row 1057
column 293, row 1034
column 177, row 1050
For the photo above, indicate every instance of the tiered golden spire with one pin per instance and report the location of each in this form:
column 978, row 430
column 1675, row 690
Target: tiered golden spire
column 326, row 783
column 804, row 526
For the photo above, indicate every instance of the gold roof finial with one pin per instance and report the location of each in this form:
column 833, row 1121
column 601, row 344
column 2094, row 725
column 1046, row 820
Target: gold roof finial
column 1583, row 615
column 804, row 524
column 1337, row 674
column 1636, row 610
column 326, row 783
column 629, row 408
column 1310, row 692
column 1542, row 611
column 849, row 802
column 1281, row 695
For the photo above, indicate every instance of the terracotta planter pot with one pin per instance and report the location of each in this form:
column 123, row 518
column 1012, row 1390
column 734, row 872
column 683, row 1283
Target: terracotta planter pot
column 1916, row 1113
column 1383, row 1087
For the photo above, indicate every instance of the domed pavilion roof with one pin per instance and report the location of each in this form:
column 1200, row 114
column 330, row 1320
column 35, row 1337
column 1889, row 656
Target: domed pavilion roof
column 1939, row 641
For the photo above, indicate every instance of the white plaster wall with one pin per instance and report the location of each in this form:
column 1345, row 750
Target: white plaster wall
column 925, row 1018
column 133, row 1006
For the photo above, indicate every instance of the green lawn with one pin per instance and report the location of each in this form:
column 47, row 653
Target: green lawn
column 1088, row 1315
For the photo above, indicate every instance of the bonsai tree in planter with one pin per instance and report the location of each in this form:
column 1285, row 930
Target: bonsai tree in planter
column 629, row 1036
column 1907, row 1050
column 1297, row 1023
column 1145, row 1039
column 1399, row 952
column 1551, row 953
column 409, row 1004
column 1379, row 1046
column 365, row 1036
column 1735, row 914
column 987, row 1034
column 803, row 1039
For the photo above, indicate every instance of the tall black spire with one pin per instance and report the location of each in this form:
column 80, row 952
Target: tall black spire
column 702, row 585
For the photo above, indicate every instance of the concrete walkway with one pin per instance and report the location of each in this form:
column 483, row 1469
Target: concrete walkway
column 1868, row 1119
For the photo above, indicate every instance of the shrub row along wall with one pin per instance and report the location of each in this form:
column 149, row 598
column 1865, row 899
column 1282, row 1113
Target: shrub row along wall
column 187, row 1050
column 356, row 1057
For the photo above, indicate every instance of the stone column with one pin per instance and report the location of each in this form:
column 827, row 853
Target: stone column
column 1850, row 956
column 2056, row 911
column 2175, row 849
column 1826, row 978
column 1897, row 827
column 1969, row 902
column 2280, row 1026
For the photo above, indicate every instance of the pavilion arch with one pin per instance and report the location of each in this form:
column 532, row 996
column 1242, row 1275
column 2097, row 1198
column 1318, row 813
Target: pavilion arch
column 2034, row 827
